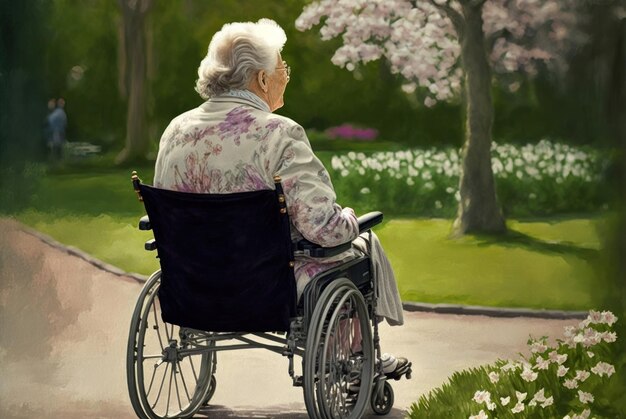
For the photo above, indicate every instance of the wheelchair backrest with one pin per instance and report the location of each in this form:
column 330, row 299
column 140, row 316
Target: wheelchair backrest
column 226, row 259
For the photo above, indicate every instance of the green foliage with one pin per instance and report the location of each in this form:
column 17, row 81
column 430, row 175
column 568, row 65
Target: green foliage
column 18, row 185
column 548, row 384
column 532, row 180
column 84, row 35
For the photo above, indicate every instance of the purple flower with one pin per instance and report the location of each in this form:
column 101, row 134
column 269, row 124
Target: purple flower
column 347, row 131
column 273, row 124
column 237, row 123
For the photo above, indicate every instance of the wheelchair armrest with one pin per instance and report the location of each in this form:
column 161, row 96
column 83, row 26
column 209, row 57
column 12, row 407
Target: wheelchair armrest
column 144, row 223
column 316, row 251
column 366, row 222
column 369, row 220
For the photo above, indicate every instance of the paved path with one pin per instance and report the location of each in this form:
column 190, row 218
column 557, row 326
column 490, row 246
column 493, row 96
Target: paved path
column 64, row 326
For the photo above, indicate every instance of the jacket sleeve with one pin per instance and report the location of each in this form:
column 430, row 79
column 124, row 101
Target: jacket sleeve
column 311, row 199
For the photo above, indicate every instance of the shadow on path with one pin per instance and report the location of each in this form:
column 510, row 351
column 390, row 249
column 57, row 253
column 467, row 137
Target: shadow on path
column 278, row 412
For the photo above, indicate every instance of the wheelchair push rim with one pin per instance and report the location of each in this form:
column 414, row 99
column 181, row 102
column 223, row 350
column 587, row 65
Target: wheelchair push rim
column 165, row 379
column 332, row 367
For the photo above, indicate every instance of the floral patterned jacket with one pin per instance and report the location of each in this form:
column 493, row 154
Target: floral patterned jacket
column 229, row 144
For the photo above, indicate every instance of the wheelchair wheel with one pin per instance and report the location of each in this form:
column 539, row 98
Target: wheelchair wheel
column 383, row 402
column 338, row 375
column 164, row 382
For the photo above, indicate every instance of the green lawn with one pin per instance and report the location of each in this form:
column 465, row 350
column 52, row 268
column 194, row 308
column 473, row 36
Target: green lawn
column 541, row 264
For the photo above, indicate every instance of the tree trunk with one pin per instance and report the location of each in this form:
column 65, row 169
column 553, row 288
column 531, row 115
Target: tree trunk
column 134, row 79
column 478, row 209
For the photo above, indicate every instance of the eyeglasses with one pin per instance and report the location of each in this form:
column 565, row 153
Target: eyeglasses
column 286, row 68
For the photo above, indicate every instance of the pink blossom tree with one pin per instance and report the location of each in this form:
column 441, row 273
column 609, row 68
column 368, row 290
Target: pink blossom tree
column 447, row 46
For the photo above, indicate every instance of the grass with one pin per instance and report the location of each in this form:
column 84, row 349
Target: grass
column 540, row 264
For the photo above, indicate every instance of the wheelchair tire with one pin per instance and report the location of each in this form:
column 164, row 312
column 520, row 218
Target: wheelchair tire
column 383, row 402
column 211, row 392
column 162, row 382
column 338, row 381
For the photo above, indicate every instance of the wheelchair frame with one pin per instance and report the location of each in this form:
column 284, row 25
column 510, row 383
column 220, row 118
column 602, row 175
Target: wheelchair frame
column 322, row 334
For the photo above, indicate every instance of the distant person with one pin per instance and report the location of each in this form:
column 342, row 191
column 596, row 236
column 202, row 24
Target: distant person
column 47, row 129
column 57, row 123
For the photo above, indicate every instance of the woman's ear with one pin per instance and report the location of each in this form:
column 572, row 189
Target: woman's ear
column 262, row 79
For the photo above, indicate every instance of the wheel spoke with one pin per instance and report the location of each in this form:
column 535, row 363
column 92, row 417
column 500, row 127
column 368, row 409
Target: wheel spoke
column 193, row 369
column 182, row 377
column 169, row 391
column 156, row 323
column 176, row 373
column 167, row 365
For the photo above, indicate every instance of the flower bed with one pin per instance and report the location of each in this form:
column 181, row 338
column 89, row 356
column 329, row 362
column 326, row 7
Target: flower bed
column 568, row 380
column 541, row 179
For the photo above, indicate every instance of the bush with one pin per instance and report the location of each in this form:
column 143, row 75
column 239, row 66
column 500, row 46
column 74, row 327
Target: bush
column 18, row 185
column 532, row 180
column 569, row 381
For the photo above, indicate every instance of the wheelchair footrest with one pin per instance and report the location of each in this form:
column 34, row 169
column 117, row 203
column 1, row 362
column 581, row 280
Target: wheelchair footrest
column 297, row 381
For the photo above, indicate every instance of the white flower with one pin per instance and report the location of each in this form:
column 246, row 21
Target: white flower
column 609, row 337
column 585, row 397
column 494, row 377
column 518, row 408
column 542, row 364
column 529, row 375
column 602, row 368
column 482, row 396
column 582, row 375
column 590, row 354
column 520, row 396
column 561, row 371
column 608, row 318
column 365, row 191
column 547, row 402
column 509, row 366
column 491, row 406
column 538, row 347
column 557, row 358
column 540, row 396
column 345, row 172
column 571, row 384
column 584, row 414
column 505, row 400
column 480, row 415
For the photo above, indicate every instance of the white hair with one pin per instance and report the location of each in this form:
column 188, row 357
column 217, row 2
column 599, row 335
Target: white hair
column 236, row 53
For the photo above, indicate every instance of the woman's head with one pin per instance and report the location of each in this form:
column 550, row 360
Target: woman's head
column 237, row 54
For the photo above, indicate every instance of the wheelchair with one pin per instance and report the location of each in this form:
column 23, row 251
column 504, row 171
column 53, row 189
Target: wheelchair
column 227, row 283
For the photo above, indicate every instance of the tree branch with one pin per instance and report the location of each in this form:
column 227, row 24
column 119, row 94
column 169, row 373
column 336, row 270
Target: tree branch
column 457, row 19
column 476, row 3
column 491, row 39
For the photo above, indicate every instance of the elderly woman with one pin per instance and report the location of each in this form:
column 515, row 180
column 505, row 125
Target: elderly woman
column 234, row 142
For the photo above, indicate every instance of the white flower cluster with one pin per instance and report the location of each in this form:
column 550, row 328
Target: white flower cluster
column 542, row 160
column 435, row 173
column 542, row 358
column 421, row 43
